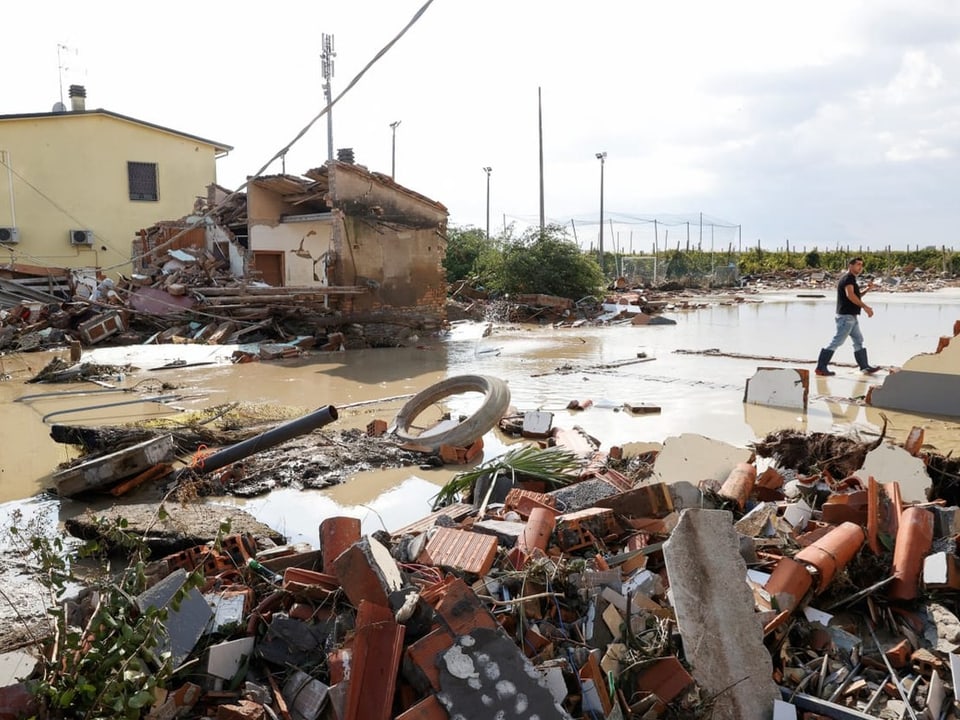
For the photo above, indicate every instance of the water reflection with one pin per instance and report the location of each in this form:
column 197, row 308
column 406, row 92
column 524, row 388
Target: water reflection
column 545, row 368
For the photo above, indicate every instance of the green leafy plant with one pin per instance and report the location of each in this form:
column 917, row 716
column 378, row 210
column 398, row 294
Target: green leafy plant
column 104, row 658
column 555, row 466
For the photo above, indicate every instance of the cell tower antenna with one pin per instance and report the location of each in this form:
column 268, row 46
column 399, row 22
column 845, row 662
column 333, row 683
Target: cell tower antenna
column 60, row 67
column 326, row 58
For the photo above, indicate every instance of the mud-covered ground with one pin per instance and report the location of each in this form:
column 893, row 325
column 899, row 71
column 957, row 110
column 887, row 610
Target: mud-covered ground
column 317, row 460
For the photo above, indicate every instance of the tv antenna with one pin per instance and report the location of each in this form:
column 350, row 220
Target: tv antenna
column 326, row 59
column 60, row 67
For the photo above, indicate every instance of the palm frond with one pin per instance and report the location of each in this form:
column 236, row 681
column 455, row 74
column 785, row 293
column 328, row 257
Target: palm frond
column 555, row 466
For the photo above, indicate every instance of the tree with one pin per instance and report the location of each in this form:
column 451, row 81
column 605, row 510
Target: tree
column 464, row 247
column 549, row 263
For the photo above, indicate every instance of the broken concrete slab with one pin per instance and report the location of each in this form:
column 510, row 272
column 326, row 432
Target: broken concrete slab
column 16, row 666
column 722, row 635
column 778, row 387
column 928, row 384
column 582, row 495
column 184, row 526
column 920, row 393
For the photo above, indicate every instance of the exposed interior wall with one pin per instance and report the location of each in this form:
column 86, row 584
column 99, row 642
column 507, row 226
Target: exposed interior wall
column 236, row 256
column 307, row 245
column 378, row 236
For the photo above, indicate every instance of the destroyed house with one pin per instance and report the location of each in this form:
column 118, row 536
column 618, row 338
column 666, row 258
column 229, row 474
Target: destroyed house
column 353, row 241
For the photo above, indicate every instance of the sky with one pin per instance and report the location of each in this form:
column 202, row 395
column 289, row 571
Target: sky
column 732, row 124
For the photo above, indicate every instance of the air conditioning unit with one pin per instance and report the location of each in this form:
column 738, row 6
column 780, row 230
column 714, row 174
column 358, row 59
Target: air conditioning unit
column 81, row 237
column 9, row 235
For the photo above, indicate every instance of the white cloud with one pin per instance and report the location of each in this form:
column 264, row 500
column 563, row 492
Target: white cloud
column 806, row 121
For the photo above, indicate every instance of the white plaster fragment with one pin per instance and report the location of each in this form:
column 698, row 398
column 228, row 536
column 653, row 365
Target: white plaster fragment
column 692, row 458
column 491, row 671
column 459, row 664
column 393, row 579
column 947, row 361
column 778, row 387
column 506, row 688
column 891, row 463
column 522, row 704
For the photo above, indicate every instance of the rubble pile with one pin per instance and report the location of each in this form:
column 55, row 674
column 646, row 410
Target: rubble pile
column 773, row 587
column 190, row 295
column 186, row 296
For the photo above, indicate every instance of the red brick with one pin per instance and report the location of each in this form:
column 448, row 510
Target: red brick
column 243, row 710
column 422, row 657
column 460, row 610
column 427, row 709
column 376, row 428
column 460, row 550
column 666, row 678
column 377, row 650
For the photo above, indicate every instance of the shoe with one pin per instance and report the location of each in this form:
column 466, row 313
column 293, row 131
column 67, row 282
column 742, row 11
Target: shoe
column 822, row 361
column 865, row 367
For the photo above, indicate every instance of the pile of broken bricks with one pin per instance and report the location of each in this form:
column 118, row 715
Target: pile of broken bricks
column 758, row 595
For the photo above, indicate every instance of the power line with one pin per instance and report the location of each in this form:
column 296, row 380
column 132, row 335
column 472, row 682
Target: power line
column 283, row 151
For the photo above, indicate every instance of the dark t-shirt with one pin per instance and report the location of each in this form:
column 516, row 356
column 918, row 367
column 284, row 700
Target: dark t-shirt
column 844, row 306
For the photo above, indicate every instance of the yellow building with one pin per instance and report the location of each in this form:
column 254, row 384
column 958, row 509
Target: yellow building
column 77, row 186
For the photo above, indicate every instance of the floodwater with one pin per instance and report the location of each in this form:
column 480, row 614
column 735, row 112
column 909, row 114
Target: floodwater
column 696, row 393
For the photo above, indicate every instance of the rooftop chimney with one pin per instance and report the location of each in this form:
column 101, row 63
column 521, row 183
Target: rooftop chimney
column 78, row 98
column 345, row 155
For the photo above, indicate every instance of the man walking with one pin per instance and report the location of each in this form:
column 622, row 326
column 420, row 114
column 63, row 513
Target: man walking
column 849, row 304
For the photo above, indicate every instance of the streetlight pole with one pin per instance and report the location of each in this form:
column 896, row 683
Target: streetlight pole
column 393, row 149
column 488, row 170
column 601, row 156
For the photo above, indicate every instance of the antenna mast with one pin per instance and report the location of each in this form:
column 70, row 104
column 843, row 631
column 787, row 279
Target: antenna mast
column 60, row 68
column 327, row 66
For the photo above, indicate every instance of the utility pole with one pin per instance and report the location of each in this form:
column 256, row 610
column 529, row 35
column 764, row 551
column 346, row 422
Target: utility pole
column 327, row 57
column 393, row 149
column 488, row 170
column 602, row 157
column 540, row 128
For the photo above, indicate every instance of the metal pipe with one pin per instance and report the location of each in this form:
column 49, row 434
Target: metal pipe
column 157, row 399
column 60, row 393
column 279, row 434
column 893, row 673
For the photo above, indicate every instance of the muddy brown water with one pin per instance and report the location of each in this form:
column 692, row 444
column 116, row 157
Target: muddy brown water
column 545, row 367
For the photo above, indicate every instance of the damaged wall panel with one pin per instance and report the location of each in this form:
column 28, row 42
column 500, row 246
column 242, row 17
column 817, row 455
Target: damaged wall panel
column 928, row 384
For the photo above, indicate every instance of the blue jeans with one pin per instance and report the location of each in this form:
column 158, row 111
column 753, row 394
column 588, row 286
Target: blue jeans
column 847, row 326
